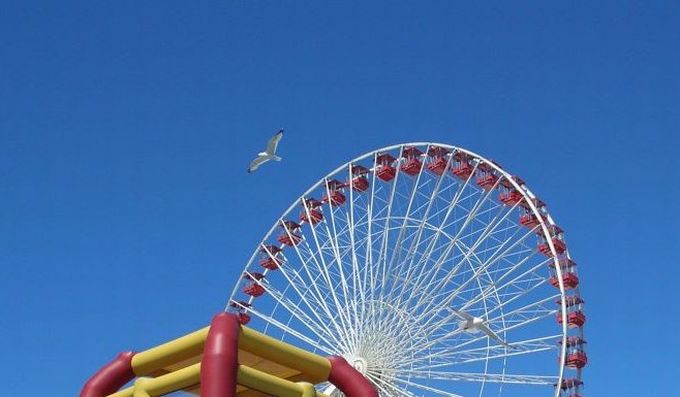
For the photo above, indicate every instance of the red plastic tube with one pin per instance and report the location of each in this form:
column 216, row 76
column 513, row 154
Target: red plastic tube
column 350, row 381
column 220, row 357
column 110, row 377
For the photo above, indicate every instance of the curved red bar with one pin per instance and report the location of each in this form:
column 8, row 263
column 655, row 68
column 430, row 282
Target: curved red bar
column 220, row 357
column 350, row 381
column 110, row 377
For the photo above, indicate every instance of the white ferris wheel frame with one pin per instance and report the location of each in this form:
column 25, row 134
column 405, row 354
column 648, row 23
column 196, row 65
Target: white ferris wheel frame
column 544, row 218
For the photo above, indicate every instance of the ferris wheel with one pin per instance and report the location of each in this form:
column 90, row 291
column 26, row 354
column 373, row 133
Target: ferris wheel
column 430, row 269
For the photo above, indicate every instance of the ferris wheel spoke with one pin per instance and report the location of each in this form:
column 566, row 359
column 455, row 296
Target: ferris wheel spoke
column 452, row 316
column 356, row 281
column 517, row 264
column 474, row 211
column 414, row 191
column 316, row 325
column 283, row 327
column 524, row 315
column 495, row 256
column 388, row 389
column 422, row 223
column 412, row 252
column 511, row 298
column 517, row 318
column 317, row 281
column 425, row 275
column 333, row 240
column 487, row 377
column 276, row 294
column 446, row 356
column 499, row 352
column 341, row 329
column 445, row 280
column 382, row 387
column 382, row 258
column 521, row 346
column 488, row 230
column 441, row 340
column 528, row 311
column 332, row 246
column 297, row 284
column 369, row 278
column 426, row 388
column 505, row 272
column 400, row 275
column 491, row 237
column 521, row 284
column 514, row 252
column 428, row 272
column 512, row 343
column 519, row 249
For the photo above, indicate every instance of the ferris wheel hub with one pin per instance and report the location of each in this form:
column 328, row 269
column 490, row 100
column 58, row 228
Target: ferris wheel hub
column 359, row 363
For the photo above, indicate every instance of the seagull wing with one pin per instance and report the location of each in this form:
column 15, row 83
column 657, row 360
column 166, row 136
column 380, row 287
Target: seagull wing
column 462, row 314
column 484, row 328
column 274, row 142
column 257, row 161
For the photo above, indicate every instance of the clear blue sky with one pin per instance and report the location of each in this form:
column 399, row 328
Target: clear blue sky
column 126, row 128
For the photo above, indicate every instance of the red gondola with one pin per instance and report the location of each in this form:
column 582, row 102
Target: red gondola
column 253, row 276
column 240, row 305
column 487, row 181
column 359, row 181
column 462, row 168
column 438, row 159
column 310, row 212
column 570, row 281
column 537, row 203
column 510, row 197
column 557, row 237
column 576, row 356
column 269, row 257
column 575, row 319
column 335, row 196
column 575, row 316
column 384, row 168
column 571, row 386
column 254, row 289
column 289, row 236
column 243, row 318
column 576, row 360
column 529, row 220
column 412, row 164
column 487, row 178
column 314, row 216
column 570, row 383
column 573, row 341
column 559, row 245
column 569, row 278
column 508, row 184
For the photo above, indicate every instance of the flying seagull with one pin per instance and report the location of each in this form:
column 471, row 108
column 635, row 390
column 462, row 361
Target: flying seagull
column 268, row 154
column 476, row 324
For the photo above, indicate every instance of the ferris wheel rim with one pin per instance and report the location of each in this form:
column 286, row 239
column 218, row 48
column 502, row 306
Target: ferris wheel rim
column 545, row 221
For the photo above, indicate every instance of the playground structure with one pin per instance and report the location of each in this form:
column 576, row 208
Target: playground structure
column 415, row 269
column 225, row 359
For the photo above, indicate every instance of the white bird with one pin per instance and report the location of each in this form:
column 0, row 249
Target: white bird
column 476, row 324
column 268, row 154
